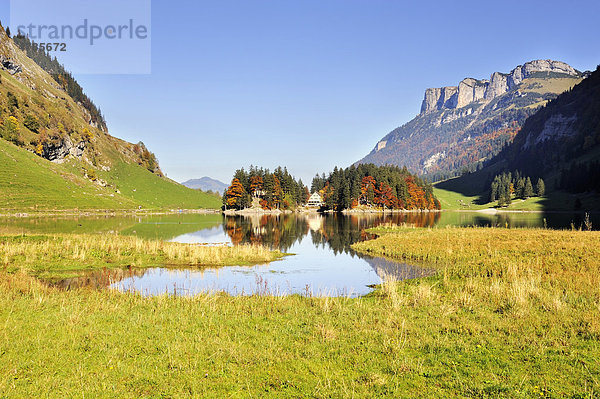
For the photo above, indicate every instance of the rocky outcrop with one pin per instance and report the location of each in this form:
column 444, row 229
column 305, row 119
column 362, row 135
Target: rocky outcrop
column 58, row 150
column 9, row 65
column 556, row 127
column 472, row 90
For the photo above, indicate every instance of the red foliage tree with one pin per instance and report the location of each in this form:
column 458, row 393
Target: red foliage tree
column 384, row 196
column 416, row 195
column 256, row 184
column 277, row 192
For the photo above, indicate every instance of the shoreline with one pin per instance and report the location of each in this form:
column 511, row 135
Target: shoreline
column 103, row 212
column 251, row 212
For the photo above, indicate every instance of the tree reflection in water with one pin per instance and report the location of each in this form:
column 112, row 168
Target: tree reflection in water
column 99, row 279
column 336, row 231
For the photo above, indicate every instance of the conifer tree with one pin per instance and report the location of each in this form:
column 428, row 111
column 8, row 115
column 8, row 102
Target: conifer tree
column 540, row 188
column 528, row 190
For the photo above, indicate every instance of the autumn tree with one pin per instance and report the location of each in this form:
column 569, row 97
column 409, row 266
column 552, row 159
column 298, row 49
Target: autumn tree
column 256, row 184
column 277, row 192
column 234, row 196
column 384, row 196
column 367, row 190
column 10, row 129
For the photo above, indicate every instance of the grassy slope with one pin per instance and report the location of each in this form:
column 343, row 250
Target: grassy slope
column 157, row 192
column 28, row 182
column 512, row 314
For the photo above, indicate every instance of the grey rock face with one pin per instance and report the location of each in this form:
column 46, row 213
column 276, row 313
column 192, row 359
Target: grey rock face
column 430, row 102
column 9, row 65
column 58, row 151
column 498, row 85
column 471, row 90
column 439, row 98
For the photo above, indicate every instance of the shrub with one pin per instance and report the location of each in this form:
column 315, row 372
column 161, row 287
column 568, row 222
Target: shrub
column 31, row 123
column 12, row 101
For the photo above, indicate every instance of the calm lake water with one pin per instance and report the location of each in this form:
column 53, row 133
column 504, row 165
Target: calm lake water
column 323, row 262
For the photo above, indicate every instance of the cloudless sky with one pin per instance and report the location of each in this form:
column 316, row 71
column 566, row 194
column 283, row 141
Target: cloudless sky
column 310, row 84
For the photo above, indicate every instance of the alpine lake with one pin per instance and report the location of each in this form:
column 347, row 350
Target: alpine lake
column 321, row 261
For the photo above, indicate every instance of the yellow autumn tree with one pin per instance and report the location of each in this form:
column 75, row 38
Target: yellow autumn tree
column 10, row 129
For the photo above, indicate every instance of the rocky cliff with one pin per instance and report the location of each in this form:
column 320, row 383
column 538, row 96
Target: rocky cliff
column 559, row 143
column 460, row 127
column 471, row 90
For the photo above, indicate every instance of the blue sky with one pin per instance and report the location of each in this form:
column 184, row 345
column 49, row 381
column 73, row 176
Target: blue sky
column 314, row 84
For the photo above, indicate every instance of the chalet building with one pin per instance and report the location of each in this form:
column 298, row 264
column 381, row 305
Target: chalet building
column 315, row 200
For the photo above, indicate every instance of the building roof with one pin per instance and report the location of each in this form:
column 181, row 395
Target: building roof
column 315, row 197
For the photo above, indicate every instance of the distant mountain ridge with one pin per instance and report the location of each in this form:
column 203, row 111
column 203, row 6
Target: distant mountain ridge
column 206, row 184
column 462, row 126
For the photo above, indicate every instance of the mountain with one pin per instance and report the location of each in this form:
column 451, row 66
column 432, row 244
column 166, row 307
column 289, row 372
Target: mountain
column 54, row 154
column 460, row 127
column 206, row 184
column 559, row 143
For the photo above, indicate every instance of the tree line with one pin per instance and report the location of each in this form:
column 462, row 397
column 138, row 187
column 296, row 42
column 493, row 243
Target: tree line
column 61, row 76
column 580, row 177
column 371, row 186
column 508, row 185
column 259, row 187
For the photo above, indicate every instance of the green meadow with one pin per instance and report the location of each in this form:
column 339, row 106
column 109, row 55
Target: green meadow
column 29, row 183
column 510, row 313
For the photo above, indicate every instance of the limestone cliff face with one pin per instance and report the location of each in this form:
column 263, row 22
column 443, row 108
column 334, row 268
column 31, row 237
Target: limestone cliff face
column 465, row 125
column 472, row 90
column 438, row 98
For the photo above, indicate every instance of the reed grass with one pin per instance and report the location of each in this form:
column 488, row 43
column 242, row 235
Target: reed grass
column 57, row 256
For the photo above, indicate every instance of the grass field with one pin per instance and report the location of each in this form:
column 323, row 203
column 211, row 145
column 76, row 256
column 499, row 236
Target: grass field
column 511, row 313
column 458, row 199
column 453, row 200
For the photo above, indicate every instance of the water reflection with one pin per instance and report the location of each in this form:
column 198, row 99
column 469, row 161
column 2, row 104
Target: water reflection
column 99, row 279
column 336, row 231
column 324, row 262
